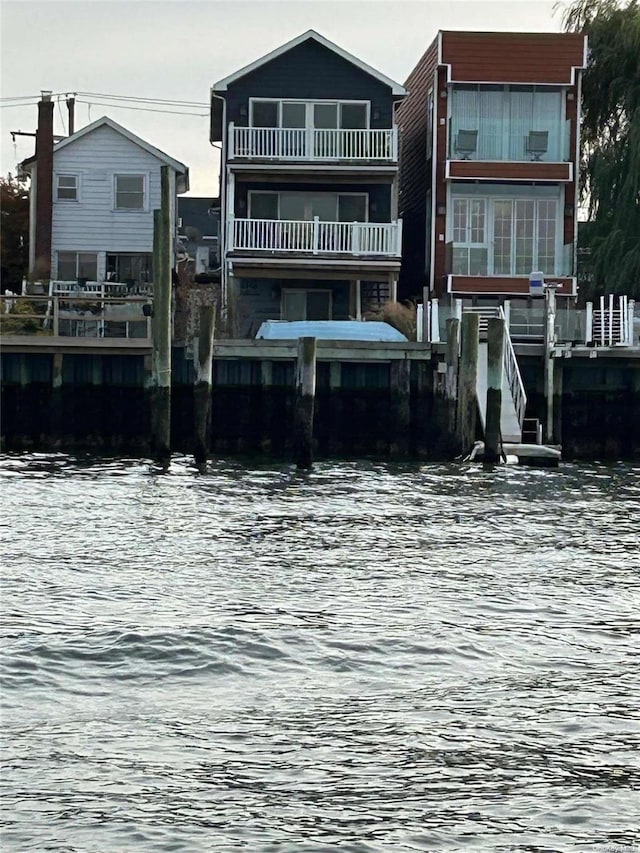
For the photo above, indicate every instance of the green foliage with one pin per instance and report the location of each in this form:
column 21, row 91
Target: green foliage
column 14, row 234
column 610, row 167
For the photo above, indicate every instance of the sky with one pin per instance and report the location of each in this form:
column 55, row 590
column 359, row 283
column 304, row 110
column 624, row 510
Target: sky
column 176, row 50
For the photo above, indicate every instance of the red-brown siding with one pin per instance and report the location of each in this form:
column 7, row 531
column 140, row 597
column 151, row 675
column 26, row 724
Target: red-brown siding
column 534, row 171
column 415, row 170
column 468, row 284
column 513, row 57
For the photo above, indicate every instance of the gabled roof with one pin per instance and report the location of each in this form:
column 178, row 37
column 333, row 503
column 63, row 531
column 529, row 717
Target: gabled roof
column 222, row 85
column 179, row 167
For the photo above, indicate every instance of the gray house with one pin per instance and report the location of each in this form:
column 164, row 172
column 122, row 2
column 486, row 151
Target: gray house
column 309, row 226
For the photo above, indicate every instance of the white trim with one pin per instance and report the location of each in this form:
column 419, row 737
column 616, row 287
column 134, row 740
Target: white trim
column 56, row 187
column 222, row 85
column 434, row 163
column 127, row 173
column 179, row 167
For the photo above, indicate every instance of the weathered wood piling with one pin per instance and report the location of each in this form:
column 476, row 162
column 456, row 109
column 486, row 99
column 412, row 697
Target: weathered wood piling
column 467, row 381
column 160, row 384
column 203, row 364
column 304, row 403
column 400, row 407
column 495, row 357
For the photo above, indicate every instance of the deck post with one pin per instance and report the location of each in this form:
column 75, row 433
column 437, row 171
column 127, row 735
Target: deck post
column 304, row 403
column 160, row 391
column 495, row 359
column 203, row 363
column 400, row 393
column 467, row 382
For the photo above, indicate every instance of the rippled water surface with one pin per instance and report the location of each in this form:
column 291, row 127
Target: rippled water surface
column 365, row 658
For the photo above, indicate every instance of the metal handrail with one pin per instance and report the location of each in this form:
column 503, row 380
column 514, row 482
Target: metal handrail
column 510, row 363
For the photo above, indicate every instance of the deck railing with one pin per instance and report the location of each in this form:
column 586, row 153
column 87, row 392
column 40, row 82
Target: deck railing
column 292, row 143
column 76, row 315
column 316, row 237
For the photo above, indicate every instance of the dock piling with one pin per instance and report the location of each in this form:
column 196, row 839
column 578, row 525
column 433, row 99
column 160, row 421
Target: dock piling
column 203, row 363
column 304, row 403
column 495, row 356
column 467, row 381
column 160, row 387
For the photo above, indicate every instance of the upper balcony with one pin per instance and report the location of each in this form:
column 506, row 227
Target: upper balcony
column 313, row 145
column 492, row 126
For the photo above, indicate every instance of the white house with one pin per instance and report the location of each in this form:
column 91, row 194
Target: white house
column 105, row 187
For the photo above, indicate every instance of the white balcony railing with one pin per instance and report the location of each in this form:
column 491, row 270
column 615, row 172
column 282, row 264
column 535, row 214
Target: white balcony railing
column 284, row 143
column 315, row 237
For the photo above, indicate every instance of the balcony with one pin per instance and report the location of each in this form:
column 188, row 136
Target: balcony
column 284, row 144
column 498, row 140
column 312, row 237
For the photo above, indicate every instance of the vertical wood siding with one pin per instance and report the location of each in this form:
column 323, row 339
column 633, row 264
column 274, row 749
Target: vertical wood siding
column 415, row 171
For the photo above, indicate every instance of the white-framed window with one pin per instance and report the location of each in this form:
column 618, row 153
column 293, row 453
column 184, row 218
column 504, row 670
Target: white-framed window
column 504, row 236
column 319, row 115
column 130, row 192
column 310, row 304
column 74, row 265
column 67, row 188
column 328, row 207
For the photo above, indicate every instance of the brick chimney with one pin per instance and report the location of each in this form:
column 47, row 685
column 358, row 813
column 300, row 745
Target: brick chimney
column 44, row 186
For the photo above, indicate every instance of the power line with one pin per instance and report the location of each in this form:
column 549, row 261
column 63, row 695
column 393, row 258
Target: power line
column 26, row 104
column 143, row 109
column 165, row 101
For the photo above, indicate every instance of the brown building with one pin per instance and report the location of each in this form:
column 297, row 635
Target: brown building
column 489, row 161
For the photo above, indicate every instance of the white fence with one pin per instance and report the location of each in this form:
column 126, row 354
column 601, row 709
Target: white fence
column 292, row 143
column 315, row 237
column 609, row 323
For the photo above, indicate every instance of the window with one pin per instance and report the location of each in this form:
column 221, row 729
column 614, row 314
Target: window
column 321, row 115
column 503, row 236
column 77, row 265
column 129, row 192
column 300, row 206
column 505, row 116
column 67, row 187
column 306, row 305
column 470, row 253
column 130, row 268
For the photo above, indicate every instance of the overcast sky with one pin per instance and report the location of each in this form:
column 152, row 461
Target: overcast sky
column 177, row 50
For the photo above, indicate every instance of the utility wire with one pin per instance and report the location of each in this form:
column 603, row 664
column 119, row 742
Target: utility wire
column 165, row 101
column 143, row 109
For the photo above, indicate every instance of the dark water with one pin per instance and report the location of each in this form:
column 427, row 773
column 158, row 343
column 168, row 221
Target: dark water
column 363, row 659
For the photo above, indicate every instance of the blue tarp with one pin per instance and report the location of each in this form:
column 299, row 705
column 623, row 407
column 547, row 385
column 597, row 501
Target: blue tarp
column 332, row 330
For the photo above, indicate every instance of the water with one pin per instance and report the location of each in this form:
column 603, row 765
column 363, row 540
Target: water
column 366, row 658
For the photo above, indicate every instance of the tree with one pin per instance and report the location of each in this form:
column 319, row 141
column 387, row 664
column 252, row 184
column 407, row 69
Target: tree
column 610, row 165
column 14, row 235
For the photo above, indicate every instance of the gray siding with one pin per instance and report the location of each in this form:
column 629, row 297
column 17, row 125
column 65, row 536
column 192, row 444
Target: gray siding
column 91, row 224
